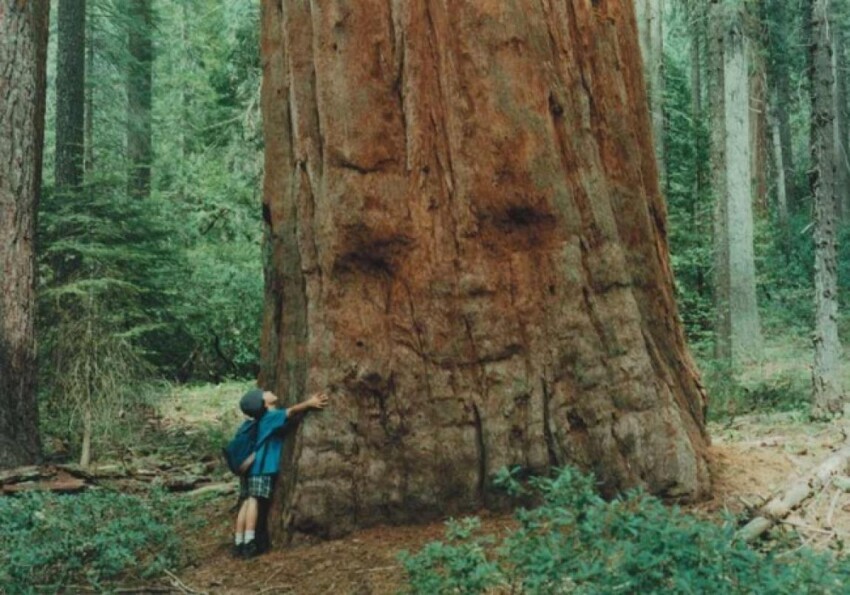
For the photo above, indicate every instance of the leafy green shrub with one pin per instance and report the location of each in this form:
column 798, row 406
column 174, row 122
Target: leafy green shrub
column 576, row 542
column 52, row 542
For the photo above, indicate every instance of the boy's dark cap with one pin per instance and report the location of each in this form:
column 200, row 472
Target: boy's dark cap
column 252, row 403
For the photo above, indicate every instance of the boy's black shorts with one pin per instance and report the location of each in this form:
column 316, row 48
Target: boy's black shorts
column 256, row 486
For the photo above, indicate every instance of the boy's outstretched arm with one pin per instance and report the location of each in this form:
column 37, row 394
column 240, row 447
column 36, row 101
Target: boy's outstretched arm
column 316, row 401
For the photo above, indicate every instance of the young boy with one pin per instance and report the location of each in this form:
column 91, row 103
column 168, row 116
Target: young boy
column 256, row 486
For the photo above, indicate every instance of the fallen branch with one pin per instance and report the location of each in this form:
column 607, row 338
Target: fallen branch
column 213, row 488
column 180, row 585
column 781, row 506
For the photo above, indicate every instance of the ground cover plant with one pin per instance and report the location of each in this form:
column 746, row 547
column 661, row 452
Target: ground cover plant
column 87, row 541
column 574, row 541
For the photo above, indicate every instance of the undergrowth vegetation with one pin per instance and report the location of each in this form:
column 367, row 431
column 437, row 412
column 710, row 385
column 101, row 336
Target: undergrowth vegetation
column 76, row 542
column 576, row 542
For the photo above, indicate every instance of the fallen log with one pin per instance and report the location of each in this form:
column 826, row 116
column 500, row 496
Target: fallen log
column 213, row 488
column 781, row 506
column 59, row 482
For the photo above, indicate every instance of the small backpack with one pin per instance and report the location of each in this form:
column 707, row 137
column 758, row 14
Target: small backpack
column 241, row 451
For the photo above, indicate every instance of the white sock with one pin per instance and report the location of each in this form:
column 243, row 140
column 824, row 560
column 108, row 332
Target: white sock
column 240, row 538
column 249, row 536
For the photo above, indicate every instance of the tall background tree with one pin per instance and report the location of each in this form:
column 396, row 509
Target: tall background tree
column 828, row 391
column 70, row 95
column 467, row 247
column 650, row 22
column 23, row 49
column 139, row 97
column 738, row 332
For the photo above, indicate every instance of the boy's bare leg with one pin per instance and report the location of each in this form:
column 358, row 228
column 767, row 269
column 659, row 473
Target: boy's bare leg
column 242, row 516
column 251, row 511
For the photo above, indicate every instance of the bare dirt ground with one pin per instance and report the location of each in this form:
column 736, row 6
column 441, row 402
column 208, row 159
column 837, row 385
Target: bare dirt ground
column 752, row 458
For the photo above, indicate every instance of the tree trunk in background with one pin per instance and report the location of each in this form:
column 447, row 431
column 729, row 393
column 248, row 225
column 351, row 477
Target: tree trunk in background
column 696, row 19
column 737, row 330
column 758, row 128
column 828, row 393
column 781, row 193
column 139, row 80
column 842, row 161
column 650, row 21
column 88, row 133
column 70, row 94
column 466, row 246
column 23, row 53
column 779, row 90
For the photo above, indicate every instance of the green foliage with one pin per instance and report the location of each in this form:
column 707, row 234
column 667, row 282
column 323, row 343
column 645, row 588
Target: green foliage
column 177, row 275
column 576, row 542
column 52, row 542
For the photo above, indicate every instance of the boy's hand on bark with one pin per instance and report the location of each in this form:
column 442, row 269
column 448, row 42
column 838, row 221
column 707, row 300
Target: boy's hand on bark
column 318, row 401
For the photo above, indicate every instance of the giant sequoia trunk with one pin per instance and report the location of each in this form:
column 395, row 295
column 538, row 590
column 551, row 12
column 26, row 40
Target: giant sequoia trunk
column 466, row 245
column 23, row 49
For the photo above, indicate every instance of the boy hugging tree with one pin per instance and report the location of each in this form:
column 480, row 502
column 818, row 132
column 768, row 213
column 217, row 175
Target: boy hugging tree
column 256, row 486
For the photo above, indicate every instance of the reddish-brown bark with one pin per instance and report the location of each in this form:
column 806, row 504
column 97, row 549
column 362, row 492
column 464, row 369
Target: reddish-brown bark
column 23, row 50
column 466, row 245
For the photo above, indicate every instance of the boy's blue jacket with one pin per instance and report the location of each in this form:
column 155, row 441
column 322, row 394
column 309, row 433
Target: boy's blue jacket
column 270, row 439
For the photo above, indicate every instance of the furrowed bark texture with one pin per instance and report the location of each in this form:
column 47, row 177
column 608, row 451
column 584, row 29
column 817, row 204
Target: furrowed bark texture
column 23, row 48
column 466, row 244
column 828, row 393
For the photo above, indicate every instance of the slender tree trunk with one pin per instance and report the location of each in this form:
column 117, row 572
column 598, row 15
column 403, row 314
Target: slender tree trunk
column 758, row 129
column 828, row 393
column 89, row 123
column 70, row 95
column 781, row 193
column 23, row 53
column 650, row 21
column 697, row 20
column 842, row 160
column 737, row 331
column 717, row 127
column 139, row 81
column 784, row 122
column 779, row 89
column 466, row 245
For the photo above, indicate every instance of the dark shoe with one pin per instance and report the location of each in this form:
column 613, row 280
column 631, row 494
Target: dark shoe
column 250, row 549
column 238, row 551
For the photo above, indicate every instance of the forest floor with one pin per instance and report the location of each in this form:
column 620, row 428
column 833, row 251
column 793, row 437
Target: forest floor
column 752, row 457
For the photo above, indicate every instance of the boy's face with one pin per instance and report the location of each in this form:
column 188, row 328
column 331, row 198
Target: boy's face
column 270, row 399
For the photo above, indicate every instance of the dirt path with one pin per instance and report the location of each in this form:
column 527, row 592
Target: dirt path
column 750, row 460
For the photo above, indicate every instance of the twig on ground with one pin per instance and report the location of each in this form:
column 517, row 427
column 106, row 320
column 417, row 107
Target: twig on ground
column 377, row 569
column 274, row 588
column 178, row 584
column 272, row 575
column 805, row 527
column 832, row 506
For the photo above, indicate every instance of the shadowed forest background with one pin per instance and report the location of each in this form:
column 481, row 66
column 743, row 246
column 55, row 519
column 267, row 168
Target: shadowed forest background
column 151, row 243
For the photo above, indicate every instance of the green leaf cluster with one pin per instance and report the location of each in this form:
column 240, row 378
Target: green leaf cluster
column 574, row 541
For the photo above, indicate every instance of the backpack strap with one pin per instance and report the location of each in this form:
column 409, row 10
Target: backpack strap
column 259, row 444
